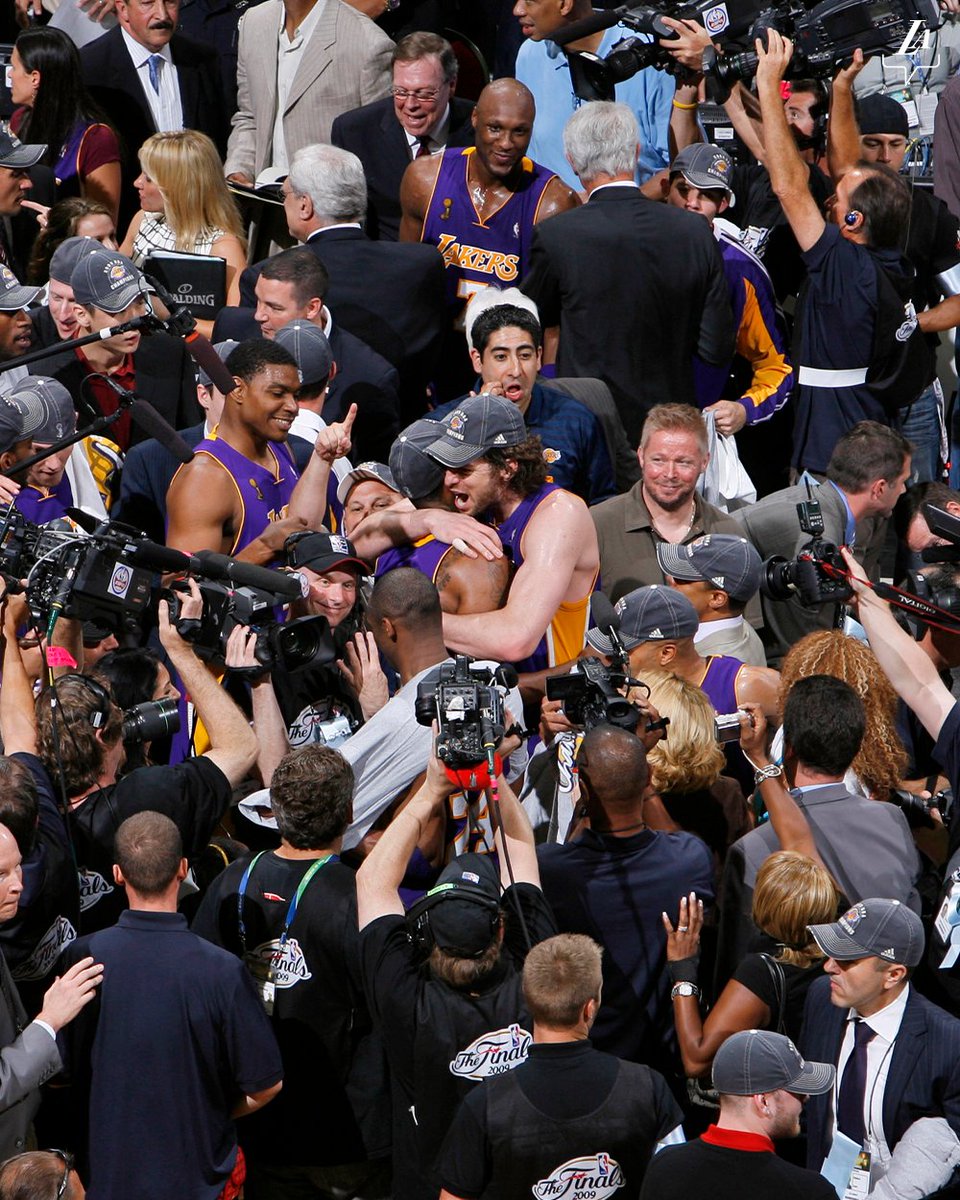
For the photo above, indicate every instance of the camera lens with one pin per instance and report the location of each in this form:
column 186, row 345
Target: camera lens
column 151, row 720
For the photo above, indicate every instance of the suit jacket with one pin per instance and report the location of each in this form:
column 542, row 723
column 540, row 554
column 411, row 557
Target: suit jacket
column 165, row 378
column 924, row 1075
column 363, row 378
column 595, row 394
column 27, row 1060
column 345, row 63
column 773, row 526
column 743, row 643
column 377, row 138
column 109, row 74
column 866, row 846
column 389, row 295
column 637, row 289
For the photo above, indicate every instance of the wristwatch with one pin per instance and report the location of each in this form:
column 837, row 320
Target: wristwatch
column 684, row 989
column 770, row 771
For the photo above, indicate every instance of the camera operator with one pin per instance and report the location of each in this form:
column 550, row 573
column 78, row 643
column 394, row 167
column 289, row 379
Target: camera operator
column 614, row 855
column 80, row 736
column 865, row 477
column 463, row 1018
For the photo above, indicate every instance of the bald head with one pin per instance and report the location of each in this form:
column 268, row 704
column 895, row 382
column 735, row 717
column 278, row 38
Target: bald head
column 613, row 769
column 503, row 122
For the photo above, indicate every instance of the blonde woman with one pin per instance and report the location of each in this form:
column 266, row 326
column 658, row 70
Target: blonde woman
column 185, row 206
column 766, row 991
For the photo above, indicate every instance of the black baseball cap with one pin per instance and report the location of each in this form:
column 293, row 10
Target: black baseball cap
column 322, row 552
column 874, row 928
column 706, row 167
column 758, row 1060
column 462, row 926
column 476, row 425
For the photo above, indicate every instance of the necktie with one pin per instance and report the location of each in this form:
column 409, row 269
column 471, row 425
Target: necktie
column 153, row 66
column 853, row 1085
column 423, row 150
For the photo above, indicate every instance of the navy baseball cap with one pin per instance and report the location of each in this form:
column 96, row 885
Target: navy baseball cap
column 224, row 350
column 414, row 471
column 461, row 926
column 108, row 280
column 476, row 425
column 20, row 418
column 882, row 114
column 362, row 471
column 310, row 349
column 649, row 614
column 16, row 154
column 15, row 295
column 706, row 167
column 727, row 561
column 322, row 551
column 67, row 256
column 60, row 416
column 874, row 928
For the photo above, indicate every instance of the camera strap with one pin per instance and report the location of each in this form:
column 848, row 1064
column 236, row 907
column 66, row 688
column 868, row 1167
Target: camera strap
column 917, row 607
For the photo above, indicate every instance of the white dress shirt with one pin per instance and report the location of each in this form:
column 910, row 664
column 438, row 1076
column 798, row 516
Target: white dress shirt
column 165, row 106
column 886, row 1027
column 438, row 138
column 289, row 54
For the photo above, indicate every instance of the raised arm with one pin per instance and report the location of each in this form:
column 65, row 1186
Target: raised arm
column 789, row 175
column 843, row 136
column 748, row 128
column 904, row 663
column 18, row 722
column 309, row 499
column 518, row 834
column 233, row 744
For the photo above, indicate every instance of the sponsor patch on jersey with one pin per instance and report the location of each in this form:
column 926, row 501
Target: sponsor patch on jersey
column 584, row 1178
column 492, row 1054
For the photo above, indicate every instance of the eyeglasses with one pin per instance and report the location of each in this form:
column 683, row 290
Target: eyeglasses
column 424, row 95
column 65, row 1157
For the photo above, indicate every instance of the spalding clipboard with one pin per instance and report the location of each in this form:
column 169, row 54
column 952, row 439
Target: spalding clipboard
column 198, row 280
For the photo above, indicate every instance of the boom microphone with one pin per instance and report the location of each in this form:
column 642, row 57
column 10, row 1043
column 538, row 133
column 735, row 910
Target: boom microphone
column 608, row 622
column 222, row 567
column 209, row 361
column 597, row 21
column 147, row 417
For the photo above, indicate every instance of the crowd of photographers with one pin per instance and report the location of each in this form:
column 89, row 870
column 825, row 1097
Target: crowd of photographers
column 477, row 702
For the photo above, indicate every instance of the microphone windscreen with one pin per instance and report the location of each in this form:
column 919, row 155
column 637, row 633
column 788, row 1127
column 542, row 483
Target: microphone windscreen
column 149, row 419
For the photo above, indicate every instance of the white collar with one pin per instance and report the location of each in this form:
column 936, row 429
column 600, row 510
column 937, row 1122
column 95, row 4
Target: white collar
column 338, row 225
column 139, row 53
column 303, row 31
column 707, row 627
column 617, row 183
column 886, row 1022
column 438, row 136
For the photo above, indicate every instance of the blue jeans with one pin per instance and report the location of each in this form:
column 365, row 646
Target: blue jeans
column 923, row 426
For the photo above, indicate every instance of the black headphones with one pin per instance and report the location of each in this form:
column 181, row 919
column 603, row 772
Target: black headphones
column 418, row 915
column 101, row 714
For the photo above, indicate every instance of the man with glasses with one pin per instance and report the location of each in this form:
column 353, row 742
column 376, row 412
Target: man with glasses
column 151, row 79
column 421, row 117
column 763, row 1084
column 40, row 1175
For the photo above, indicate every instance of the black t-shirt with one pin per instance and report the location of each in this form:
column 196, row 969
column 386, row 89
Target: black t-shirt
column 317, row 706
column 49, row 909
column 564, row 1082
column 700, row 1171
column 194, row 795
column 758, row 977
column 932, row 246
column 333, row 1108
column 440, row 1041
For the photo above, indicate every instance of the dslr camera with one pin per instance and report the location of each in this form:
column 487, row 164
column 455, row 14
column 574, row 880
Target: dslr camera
column 810, row 576
column 466, row 701
column 592, row 696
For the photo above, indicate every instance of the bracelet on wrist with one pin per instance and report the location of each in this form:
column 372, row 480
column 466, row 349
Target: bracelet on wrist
column 685, row 107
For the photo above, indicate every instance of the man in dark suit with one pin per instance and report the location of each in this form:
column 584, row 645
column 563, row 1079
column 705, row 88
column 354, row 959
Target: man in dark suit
column 865, row 846
column 108, row 290
column 293, row 285
column 636, row 288
column 388, row 294
column 897, row 1055
column 148, row 79
column 421, row 117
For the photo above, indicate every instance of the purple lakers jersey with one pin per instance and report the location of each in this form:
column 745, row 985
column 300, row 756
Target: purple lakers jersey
column 264, row 493
column 478, row 254
column 720, row 682
column 41, row 505
column 565, row 635
column 424, row 556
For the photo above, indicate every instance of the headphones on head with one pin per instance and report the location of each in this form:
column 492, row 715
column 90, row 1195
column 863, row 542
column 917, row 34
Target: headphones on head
column 101, row 714
column 418, row 915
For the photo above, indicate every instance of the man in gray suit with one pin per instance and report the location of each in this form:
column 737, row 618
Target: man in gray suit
column 865, row 478
column 867, row 847
column 329, row 58
column 28, row 1049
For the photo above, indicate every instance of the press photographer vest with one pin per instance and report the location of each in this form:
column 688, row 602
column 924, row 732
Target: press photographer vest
column 589, row 1157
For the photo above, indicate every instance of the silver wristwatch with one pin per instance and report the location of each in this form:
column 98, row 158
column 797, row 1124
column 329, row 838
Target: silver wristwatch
column 770, row 771
column 684, row 989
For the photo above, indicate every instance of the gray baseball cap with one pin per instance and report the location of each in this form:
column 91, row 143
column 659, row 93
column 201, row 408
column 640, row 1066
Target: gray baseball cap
column 415, row 472
column 365, row 470
column 476, row 425
column 20, row 418
column 758, row 1060
column 15, row 295
column 649, row 614
column 727, row 561
column 874, row 928
column 16, row 154
column 224, row 350
column 60, row 415
column 67, row 255
column 706, row 167
column 309, row 346
column 107, row 280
